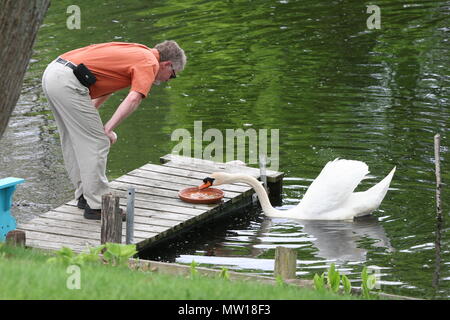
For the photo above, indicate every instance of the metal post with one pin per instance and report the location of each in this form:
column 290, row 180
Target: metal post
column 130, row 216
column 439, row 217
column 437, row 145
column 262, row 170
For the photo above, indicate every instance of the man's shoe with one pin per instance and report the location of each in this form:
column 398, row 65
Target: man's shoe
column 92, row 214
column 96, row 214
column 81, row 202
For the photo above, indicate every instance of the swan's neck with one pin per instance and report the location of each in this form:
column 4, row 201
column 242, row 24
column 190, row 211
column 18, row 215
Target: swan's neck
column 260, row 191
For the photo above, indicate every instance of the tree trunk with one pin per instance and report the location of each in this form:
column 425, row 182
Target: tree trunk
column 19, row 24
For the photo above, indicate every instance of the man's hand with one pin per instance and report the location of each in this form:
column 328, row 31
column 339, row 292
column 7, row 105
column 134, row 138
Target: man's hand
column 112, row 136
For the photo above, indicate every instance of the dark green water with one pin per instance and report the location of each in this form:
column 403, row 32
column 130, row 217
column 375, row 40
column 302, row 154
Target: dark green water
column 311, row 69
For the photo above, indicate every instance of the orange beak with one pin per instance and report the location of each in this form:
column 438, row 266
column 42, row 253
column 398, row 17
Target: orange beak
column 205, row 185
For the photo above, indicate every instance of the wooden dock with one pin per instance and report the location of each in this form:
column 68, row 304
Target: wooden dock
column 159, row 213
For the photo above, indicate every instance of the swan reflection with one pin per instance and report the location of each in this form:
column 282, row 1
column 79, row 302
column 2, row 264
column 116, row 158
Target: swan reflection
column 338, row 240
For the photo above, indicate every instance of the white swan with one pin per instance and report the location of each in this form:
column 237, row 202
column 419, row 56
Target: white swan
column 329, row 197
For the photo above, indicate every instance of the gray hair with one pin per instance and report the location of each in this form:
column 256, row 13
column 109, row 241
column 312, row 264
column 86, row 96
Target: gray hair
column 170, row 50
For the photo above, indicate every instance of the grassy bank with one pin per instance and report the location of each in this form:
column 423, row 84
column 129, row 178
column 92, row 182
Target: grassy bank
column 26, row 274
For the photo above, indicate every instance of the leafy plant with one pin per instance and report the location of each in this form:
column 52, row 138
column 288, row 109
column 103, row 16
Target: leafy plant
column 332, row 281
column 194, row 270
column 319, row 282
column 280, row 281
column 346, row 283
column 65, row 256
column 113, row 253
column 224, row 274
column 118, row 254
column 368, row 282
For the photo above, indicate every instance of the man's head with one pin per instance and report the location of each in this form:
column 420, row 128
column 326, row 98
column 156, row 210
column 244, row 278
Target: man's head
column 171, row 60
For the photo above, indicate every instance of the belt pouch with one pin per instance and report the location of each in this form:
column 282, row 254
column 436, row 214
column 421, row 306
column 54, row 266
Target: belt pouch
column 84, row 75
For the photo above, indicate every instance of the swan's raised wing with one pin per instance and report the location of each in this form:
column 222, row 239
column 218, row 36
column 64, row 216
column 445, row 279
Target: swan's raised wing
column 335, row 183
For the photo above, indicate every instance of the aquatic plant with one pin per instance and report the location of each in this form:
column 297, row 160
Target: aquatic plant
column 334, row 281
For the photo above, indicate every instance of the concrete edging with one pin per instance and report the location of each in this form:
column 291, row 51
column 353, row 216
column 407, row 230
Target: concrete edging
column 185, row 270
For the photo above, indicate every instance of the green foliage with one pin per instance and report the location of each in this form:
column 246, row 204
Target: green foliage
column 65, row 256
column 118, row 254
column 26, row 275
column 368, row 283
column 333, row 281
column 347, row 285
column 224, row 274
column 113, row 254
column 319, row 282
column 194, row 270
column 280, row 281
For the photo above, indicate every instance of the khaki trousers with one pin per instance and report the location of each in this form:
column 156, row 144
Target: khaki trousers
column 84, row 143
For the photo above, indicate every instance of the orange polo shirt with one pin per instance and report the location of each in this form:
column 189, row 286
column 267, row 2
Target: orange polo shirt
column 118, row 65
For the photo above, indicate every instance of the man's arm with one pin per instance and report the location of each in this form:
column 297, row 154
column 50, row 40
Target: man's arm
column 99, row 101
column 128, row 105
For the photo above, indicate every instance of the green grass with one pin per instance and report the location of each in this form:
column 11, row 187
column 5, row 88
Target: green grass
column 25, row 274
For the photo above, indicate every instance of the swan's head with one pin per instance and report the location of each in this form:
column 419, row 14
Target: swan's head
column 216, row 178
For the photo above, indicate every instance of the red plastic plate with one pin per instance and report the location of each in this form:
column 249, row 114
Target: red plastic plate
column 194, row 195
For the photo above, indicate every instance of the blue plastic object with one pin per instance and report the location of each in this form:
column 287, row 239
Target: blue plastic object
column 7, row 221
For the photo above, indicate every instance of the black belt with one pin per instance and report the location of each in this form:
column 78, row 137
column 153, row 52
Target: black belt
column 66, row 63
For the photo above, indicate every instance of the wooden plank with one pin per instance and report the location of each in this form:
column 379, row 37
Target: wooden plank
column 79, row 233
column 207, row 170
column 138, row 180
column 139, row 220
column 93, row 227
column 143, row 241
column 121, row 188
column 169, row 200
column 47, row 245
column 192, row 211
column 208, row 216
column 165, row 185
column 164, row 207
column 175, row 216
column 64, row 240
column 184, row 182
column 90, row 236
column 183, row 172
column 211, row 166
column 210, row 170
column 165, row 188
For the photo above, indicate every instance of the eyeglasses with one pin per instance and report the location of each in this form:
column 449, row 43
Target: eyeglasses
column 173, row 75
